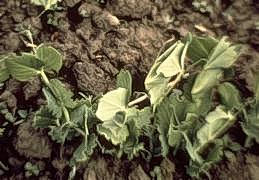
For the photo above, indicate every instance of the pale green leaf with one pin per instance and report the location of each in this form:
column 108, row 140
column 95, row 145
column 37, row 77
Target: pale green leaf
column 51, row 58
column 111, row 103
column 23, row 67
column 157, row 89
column 47, row 4
column 124, row 80
column 171, row 66
column 229, row 96
column 206, row 80
column 224, row 55
column 156, row 84
column 4, row 73
column 116, row 134
column 217, row 123
column 200, row 47
column 140, row 117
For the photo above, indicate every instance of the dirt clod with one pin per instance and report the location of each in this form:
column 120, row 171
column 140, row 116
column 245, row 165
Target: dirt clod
column 32, row 143
column 138, row 174
column 91, row 78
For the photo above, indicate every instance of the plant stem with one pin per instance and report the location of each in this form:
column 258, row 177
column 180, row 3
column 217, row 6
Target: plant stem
column 44, row 78
column 66, row 114
column 177, row 79
column 79, row 131
column 4, row 167
column 138, row 100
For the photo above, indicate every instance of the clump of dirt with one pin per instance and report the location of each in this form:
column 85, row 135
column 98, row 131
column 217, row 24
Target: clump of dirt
column 32, row 88
column 252, row 162
column 138, row 174
column 130, row 9
column 248, row 64
column 86, row 72
column 167, row 169
column 100, row 169
column 32, row 143
column 238, row 167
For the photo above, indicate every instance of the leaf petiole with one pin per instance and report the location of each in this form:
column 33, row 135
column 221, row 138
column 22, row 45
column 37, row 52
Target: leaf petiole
column 138, row 100
column 44, row 78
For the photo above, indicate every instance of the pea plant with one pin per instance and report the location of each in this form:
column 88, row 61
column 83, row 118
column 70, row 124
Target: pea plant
column 47, row 4
column 193, row 104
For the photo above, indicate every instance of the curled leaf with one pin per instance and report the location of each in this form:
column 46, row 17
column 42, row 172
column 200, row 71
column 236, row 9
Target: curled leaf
column 206, row 80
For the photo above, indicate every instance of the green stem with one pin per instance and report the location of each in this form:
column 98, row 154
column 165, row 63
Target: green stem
column 44, row 78
column 138, row 100
column 171, row 85
column 80, row 131
column 66, row 114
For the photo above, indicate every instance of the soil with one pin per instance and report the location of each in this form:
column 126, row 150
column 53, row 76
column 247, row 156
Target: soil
column 99, row 39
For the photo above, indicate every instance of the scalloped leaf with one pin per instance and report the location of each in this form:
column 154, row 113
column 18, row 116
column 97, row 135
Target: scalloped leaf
column 24, row 67
column 111, row 103
column 51, row 58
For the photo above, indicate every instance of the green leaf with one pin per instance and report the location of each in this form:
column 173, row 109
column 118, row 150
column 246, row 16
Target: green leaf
column 157, row 89
column 4, row 73
column 62, row 94
column 139, row 124
column 156, row 84
column 51, row 58
column 163, row 118
column 223, row 56
column 124, row 80
column 167, row 65
column 229, row 96
column 206, row 80
column 214, row 155
column 217, row 123
column 59, row 133
column 200, row 47
column 256, row 85
column 111, row 103
column 46, row 3
column 79, row 115
column 53, row 105
column 84, row 151
column 24, row 67
column 44, row 118
column 141, row 118
column 251, row 124
column 169, row 113
column 171, row 66
column 112, row 131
